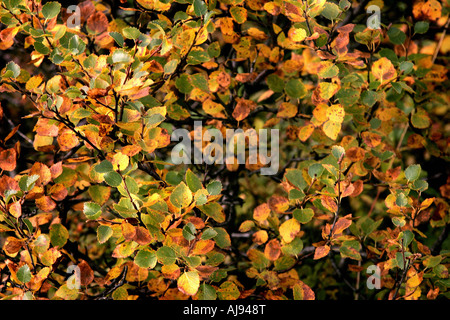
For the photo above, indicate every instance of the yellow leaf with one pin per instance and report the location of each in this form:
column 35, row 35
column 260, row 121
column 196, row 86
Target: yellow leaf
column 211, row 107
column 189, row 283
column 120, row 161
column 384, row 70
column 34, row 82
column 332, row 129
column 336, row 113
column 297, row 35
column 287, row 110
column 289, row 229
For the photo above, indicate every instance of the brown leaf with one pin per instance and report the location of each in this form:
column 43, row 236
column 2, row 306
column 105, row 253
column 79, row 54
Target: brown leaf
column 143, row 236
column 355, row 154
column 86, row 273
column 371, row 139
column 97, row 23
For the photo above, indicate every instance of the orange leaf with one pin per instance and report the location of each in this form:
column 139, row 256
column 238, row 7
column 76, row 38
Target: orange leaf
column 260, row 237
column 278, row 204
column 45, row 203
column 243, row 108
column 261, row 212
column 8, row 159
column 321, row 252
column 128, row 230
column 272, row 250
column 45, row 176
column 329, row 203
column 67, row 140
column 203, row 247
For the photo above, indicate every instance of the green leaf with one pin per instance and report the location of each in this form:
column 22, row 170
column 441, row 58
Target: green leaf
column 329, row 70
column 166, row 255
column 117, row 37
column 145, row 259
column 275, row 83
column 121, row 56
column 303, row 215
column 197, row 57
column 295, row 177
column 113, row 179
column 183, row 84
column 295, row 194
column 104, row 233
column 295, row 89
column 26, row 183
column 214, row 49
column 421, row 27
column 209, row 234
column 193, row 181
column 348, row 96
column 412, row 173
column 420, row 119
column 92, row 210
column 104, row 167
column 407, row 236
column 330, row 11
column 200, row 8
column 189, row 231
column 181, row 196
column 401, row 200
column 396, row 35
column 222, row 238
column 214, row 187
column 420, row 185
column 337, row 152
column 12, row 70
column 76, row 45
column 171, row 66
column 51, row 9
column 206, row 292
column 406, row 66
column 213, row 210
column 350, row 249
column 131, row 33
column 58, row 235
column 41, row 48
column 24, row 274
column 315, row 170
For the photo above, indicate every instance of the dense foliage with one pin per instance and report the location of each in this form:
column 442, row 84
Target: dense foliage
column 93, row 207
